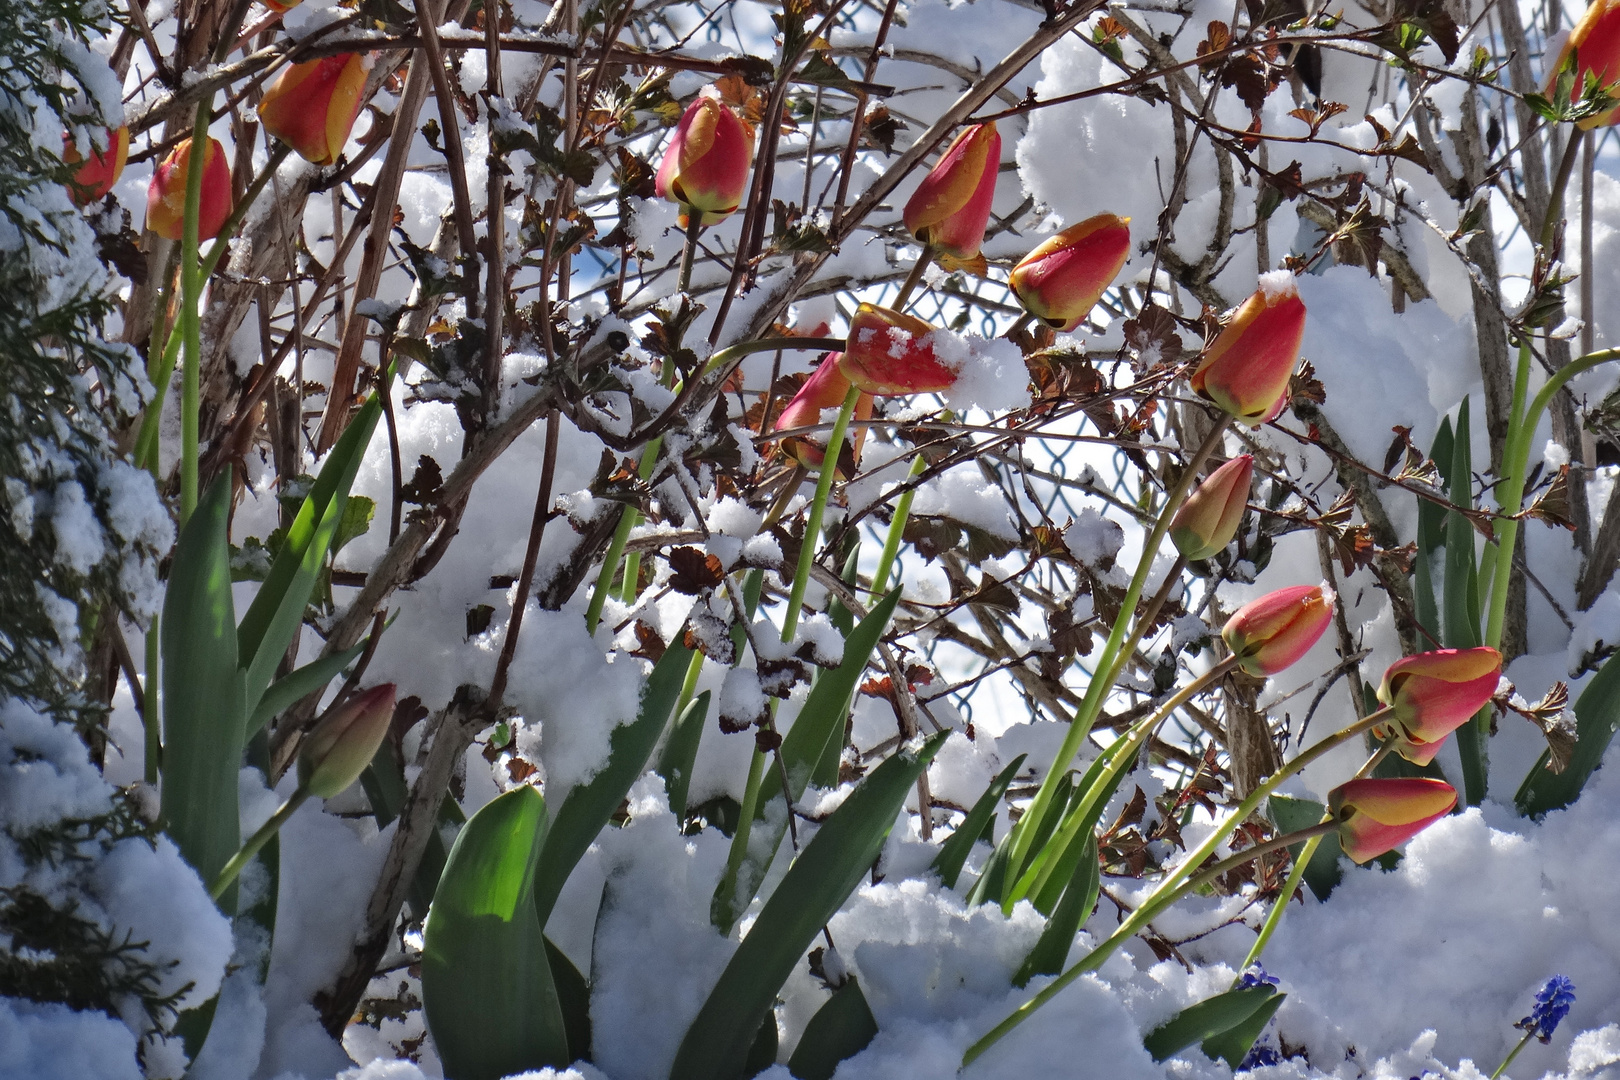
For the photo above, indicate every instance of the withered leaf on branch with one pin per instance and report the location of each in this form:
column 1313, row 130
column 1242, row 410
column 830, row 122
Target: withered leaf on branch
column 710, row 635
column 694, row 570
column 425, row 483
column 650, row 644
column 1550, row 717
column 1552, row 502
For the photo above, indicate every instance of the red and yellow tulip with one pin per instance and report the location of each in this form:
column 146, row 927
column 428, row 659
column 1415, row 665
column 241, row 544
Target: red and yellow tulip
column 891, row 353
column 1432, row 694
column 1595, row 44
column 97, row 175
column 1209, row 518
column 312, row 106
column 951, row 207
column 825, row 389
column 705, row 166
column 1062, row 280
column 1246, row 369
column 1269, row 634
column 166, row 195
column 1377, row 815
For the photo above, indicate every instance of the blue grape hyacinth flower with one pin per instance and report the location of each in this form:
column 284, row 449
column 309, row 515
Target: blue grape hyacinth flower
column 1257, row 976
column 1552, row 1005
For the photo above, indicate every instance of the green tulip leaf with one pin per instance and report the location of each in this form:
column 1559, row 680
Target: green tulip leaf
column 1597, row 717
column 816, row 885
column 487, row 988
column 954, row 851
column 1234, row 1044
column 841, row 1028
column 1072, row 910
column 675, row 764
column 1199, row 1022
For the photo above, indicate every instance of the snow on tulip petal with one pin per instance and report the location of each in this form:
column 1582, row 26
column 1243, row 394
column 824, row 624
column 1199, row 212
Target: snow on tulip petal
column 825, row 389
column 97, row 175
column 166, row 195
column 951, row 207
column 1246, row 369
column 312, row 106
column 1269, row 634
column 705, row 166
column 1376, row 815
column 1209, row 518
column 1062, row 279
column 890, row 353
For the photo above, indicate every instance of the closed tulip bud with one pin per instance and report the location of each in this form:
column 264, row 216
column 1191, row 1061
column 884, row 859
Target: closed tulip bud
column 312, row 106
column 1246, row 368
column 825, row 389
column 281, row 7
column 1595, row 43
column 96, row 176
column 1432, row 694
column 705, row 167
column 1062, row 280
column 1209, row 518
column 951, row 207
column 166, row 196
column 890, row 353
column 1268, row 634
column 340, row 747
column 1377, row 815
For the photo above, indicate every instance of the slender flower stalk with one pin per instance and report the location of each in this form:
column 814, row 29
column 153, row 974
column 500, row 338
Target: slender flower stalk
column 1169, row 889
column 818, row 507
column 1515, row 455
column 1112, row 658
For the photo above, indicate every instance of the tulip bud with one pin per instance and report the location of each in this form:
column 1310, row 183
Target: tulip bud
column 281, row 7
column 312, row 106
column 825, row 389
column 345, row 740
column 705, row 167
column 1595, row 43
column 1268, row 634
column 951, row 207
column 95, row 177
column 1062, row 280
column 1432, row 694
column 1209, row 518
column 1247, row 367
column 1376, row 815
column 166, row 197
column 891, row 353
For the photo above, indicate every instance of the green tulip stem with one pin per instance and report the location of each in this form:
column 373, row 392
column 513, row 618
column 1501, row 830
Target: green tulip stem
column 897, row 528
column 1521, row 429
column 694, row 229
column 146, row 449
column 1112, row 659
column 190, row 317
column 818, row 508
column 914, row 277
column 724, row 356
column 1112, row 761
column 230, row 871
column 1170, row 889
column 1513, row 1053
column 1296, row 873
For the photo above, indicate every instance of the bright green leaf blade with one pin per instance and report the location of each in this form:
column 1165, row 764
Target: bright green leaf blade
column 841, row 1028
column 1291, row 815
column 825, row 774
column 820, row 723
column 1050, row 952
column 954, row 851
column 487, row 990
column 202, row 692
column 586, row 809
column 299, row 684
column 762, row 1054
column 1198, row 1022
column 675, row 764
column 1431, row 538
column 814, row 888
column 1234, row 1044
column 278, row 609
column 1597, row 717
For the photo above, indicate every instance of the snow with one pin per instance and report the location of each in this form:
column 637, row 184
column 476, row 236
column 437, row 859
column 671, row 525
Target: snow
column 53, row 1042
